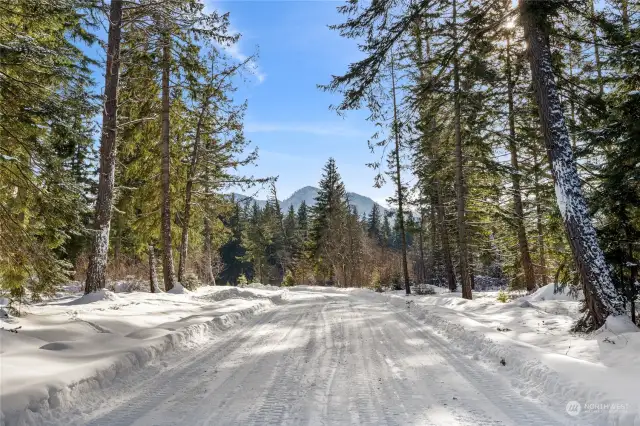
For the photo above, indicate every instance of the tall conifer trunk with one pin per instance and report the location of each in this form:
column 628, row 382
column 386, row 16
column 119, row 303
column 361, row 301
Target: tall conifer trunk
column 405, row 268
column 523, row 244
column 209, row 277
column 444, row 236
column 460, row 190
column 186, row 216
column 600, row 294
column 422, row 270
column 539, row 227
column 167, row 250
column 596, row 49
column 153, row 277
column 96, row 271
column 433, row 234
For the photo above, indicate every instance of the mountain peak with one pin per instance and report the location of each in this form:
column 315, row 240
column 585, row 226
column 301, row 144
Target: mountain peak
column 308, row 194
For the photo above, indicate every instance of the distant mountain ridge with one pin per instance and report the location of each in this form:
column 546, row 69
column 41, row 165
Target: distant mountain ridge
column 308, row 194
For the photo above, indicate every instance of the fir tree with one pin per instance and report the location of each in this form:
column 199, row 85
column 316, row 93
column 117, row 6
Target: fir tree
column 328, row 223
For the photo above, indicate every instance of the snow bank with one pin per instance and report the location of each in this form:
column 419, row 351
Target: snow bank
column 549, row 292
column 178, row 289
column 66, row 348
column 542, row 358
column 95, row 297
column 618, row 325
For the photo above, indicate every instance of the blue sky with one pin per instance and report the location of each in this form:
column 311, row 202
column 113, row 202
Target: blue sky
column 288, row 117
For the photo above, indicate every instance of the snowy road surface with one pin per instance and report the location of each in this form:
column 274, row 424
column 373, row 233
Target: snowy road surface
column 320, row 359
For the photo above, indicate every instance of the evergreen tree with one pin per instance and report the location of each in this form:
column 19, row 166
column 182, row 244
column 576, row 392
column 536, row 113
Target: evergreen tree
column 46, row 111
column 328, row 224
column 374, row 224
column 602, row 299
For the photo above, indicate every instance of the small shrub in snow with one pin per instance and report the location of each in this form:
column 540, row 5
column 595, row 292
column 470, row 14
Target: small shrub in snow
column 396, row 281
column 485, row 283
column 288, row 280
column 503, row 297
column 191, row 281
column 376, row 283
column 129, row 285
column 242, row 280
column 423, row 290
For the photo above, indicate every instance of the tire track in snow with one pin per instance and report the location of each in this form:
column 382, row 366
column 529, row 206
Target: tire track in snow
column 150, row 394
column 226, row 403
column 279, row 399
column 517, row 408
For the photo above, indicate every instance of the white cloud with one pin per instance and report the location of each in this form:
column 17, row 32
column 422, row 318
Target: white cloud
column 234, row 50
column 321, row 129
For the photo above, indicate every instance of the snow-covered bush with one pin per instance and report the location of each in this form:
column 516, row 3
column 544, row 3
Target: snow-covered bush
column 503, row 297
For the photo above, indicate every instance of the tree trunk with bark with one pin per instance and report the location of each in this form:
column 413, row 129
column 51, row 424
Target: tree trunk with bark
column 444, row 236
column 405, row 268
column 153, row 277
column 460, row 191
column 523, row 244
column 539, row 227
column 209, row 277
column 186, row 216
column 167, row 249
column 433, row 234
column 601, row 297
column 96, row 271
column 596, row 49
column 422, row 273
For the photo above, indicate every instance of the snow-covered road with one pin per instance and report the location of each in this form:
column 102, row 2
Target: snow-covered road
column 320, row 359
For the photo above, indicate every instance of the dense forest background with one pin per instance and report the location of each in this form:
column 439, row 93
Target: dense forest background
column 511, row 135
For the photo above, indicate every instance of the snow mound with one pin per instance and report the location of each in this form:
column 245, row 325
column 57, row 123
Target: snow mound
column 178, row 289
column 95, row 296
column 56, row 346
column 147, row 333
column 548, row 292
column 66, row 350
column 618, row 324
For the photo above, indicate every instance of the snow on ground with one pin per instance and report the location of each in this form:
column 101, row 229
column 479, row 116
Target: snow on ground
column 321, row 356
column 532, row 335
column 77, row 343
column 325, row 357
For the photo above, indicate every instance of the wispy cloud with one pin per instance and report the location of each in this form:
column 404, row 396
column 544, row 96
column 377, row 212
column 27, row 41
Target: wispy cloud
column 320, row 129
column 234, row 50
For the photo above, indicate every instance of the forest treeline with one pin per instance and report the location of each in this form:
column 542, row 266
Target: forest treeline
column 509, row 133
column 520, row 124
